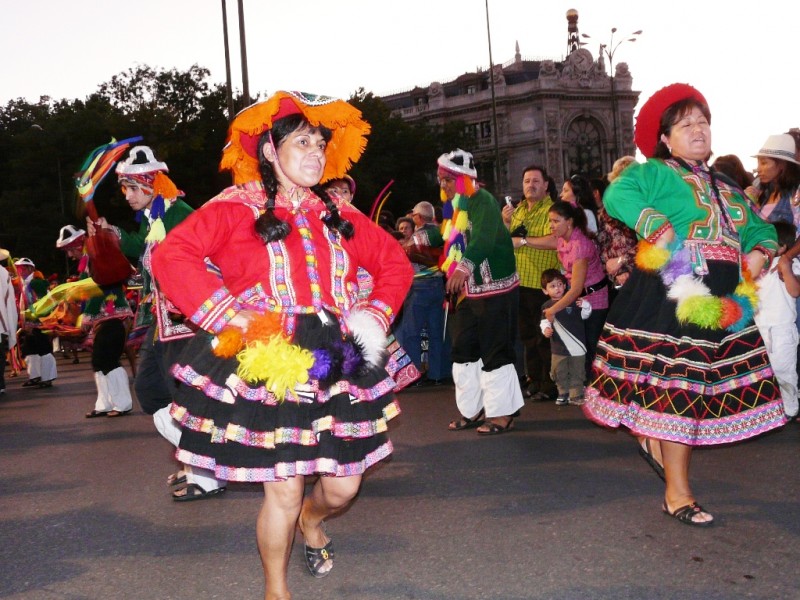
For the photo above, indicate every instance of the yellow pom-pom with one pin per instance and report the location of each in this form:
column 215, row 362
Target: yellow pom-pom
column 157, row 231
column 228, row 342
column 703, row 311
column 447, row 227
column 279, row 364
column 462, row 221
column 749, row 290
column 650, row 257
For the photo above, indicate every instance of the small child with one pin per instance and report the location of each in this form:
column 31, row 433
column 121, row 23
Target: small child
column 567, row 339
column 777, row 312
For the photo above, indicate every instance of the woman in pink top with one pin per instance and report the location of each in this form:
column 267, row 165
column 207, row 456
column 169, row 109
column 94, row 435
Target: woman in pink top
column 580, row 259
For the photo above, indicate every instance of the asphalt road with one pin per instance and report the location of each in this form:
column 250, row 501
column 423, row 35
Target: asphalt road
column 557, row 509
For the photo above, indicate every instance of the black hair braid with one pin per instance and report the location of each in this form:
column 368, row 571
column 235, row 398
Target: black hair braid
column 334, row 219
column 269, row 227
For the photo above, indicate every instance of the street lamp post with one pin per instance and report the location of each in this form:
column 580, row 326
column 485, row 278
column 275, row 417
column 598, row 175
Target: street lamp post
column 494, row 104
column 609, row 50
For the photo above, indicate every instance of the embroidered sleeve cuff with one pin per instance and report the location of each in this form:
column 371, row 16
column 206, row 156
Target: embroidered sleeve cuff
column 380, row 311
column 767, row 252
column 215, row 312
column 465, row 266
column 652, row 237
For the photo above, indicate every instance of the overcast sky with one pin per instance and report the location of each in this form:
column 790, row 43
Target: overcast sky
column 742, row 57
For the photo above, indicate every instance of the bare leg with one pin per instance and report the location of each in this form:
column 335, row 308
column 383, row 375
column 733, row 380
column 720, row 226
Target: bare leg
column 328, row 496
column 676, row 459
column 131, row 354
column 275, row 532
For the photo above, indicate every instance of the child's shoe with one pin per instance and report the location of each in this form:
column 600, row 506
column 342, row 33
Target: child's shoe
column 562, row 400
column 577, row 401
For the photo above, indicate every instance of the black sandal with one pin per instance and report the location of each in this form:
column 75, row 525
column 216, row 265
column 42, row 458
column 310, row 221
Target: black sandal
column 176, row 478
column 646, row 453
column 465, row 423
column 195, row 492
column 316, row 557
column 685, row 514
column 495, row 429
column 96, row 413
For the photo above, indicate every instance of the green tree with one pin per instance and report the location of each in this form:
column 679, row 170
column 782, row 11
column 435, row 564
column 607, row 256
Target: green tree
column 183, row 117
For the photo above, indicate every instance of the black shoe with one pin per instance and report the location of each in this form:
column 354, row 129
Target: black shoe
column 32, row 382
column 423, row 383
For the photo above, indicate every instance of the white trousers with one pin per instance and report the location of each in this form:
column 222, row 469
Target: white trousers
column 781, row 343
column 113, row 391
column 497, row 392
column 168, row 428
column 41, row 366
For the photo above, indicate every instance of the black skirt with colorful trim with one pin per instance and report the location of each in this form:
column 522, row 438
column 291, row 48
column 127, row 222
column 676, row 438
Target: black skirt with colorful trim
column 242, row 432
column 677, row 381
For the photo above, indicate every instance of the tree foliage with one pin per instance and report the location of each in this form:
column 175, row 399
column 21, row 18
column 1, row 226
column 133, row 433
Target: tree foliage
column 183, row 117
column 403, row 153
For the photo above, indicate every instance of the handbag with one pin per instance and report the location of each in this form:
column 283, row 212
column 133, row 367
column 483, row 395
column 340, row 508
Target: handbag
column 107, row 264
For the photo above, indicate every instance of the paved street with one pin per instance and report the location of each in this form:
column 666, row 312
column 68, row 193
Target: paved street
column 557, row 509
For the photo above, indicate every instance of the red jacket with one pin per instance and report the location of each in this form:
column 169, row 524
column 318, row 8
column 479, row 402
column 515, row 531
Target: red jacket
column 281, row 275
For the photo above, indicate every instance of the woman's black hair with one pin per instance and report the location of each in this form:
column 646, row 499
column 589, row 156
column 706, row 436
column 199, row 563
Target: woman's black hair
column 786, row 233
column 671, row 116
column 269, row 227
column 567, row 210
column 599, row 185
column 731, row 166
column 582, row 189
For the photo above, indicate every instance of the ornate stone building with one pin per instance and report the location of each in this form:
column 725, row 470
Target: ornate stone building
column 570, row 115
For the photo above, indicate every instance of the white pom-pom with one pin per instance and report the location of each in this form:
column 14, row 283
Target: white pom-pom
column 369, row 334
column 687, row 286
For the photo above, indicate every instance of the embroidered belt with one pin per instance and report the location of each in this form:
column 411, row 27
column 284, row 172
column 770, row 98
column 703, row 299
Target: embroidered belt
column 721, row 252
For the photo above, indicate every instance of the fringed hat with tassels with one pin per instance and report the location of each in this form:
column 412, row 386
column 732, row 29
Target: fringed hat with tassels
column 348, row 140
column 141, row 168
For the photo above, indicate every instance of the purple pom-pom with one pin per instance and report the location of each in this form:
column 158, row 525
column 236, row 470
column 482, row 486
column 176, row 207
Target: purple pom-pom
column 679, row 264
column 351, row 358
column 157, row 207
column 322, row 364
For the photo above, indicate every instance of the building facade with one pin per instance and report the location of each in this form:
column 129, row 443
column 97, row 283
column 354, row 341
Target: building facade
column 570, row 116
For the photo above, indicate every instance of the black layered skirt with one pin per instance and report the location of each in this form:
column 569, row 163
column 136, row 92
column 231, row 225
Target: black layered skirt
column 677, row 381
column 243, row 432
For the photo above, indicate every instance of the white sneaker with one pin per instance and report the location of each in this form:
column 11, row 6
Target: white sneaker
column 562, row 401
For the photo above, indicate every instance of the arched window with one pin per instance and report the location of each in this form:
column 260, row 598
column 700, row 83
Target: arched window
column 582, row 148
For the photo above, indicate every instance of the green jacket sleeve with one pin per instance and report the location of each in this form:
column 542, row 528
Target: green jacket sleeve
column 132, row 244
column 487, row 228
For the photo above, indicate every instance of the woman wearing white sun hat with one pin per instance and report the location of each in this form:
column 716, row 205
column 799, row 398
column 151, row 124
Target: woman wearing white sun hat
column 778, row 192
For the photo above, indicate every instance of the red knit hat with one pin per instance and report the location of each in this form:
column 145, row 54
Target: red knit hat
column 649, row 118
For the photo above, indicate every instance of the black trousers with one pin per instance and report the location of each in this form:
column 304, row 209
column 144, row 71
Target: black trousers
column 484, row 328
column 154, row 385
column 108, row 344
column 537, row 347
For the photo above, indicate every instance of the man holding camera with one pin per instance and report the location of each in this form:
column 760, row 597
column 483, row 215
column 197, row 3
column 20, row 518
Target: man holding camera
column 534, row 249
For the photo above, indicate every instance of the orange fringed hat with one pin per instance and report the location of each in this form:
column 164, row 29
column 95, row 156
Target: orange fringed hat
column 348, row 140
